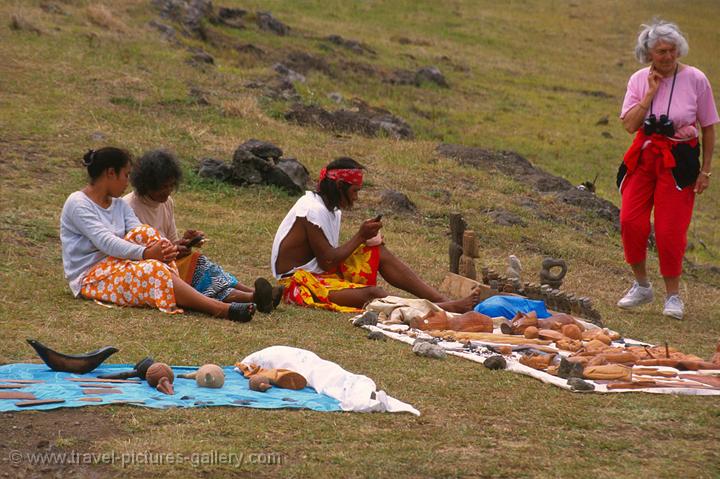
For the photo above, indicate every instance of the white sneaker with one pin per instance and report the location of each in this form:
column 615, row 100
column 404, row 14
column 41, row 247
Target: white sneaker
column 637, row 295
column 674, row 307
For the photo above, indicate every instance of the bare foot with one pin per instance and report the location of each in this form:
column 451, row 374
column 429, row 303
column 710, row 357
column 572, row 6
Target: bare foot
column 237, row 296
column 462, row 305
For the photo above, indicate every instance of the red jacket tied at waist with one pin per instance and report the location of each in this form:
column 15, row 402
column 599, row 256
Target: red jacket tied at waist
column 660, row 147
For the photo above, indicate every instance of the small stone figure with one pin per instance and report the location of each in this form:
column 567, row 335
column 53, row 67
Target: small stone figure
column 514, row 268
column 547, row 277
column 424, row 348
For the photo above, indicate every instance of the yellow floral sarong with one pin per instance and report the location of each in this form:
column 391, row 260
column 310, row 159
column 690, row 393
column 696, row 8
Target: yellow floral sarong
column 128, row 282
column 359, row 270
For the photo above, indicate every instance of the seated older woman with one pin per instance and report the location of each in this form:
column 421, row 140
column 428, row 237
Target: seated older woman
column 665, row 105
column 156, row 174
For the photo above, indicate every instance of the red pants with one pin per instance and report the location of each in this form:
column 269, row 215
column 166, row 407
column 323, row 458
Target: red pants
column 652, row 185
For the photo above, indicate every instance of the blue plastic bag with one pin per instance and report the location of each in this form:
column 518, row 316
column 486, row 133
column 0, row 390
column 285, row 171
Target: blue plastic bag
column 509, row 306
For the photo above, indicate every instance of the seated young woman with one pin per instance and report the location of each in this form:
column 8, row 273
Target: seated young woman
column 154, row 177
column 109, row 255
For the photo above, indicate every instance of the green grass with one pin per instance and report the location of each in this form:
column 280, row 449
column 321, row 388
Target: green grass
column 519, row 73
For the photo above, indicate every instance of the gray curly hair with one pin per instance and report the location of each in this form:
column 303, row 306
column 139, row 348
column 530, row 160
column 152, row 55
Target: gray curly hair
column 657, row 31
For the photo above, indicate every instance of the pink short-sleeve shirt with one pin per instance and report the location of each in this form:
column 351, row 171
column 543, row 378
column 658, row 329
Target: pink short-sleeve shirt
column 692, row 100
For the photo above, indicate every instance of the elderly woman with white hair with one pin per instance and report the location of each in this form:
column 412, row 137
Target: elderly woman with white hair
column 665, row 105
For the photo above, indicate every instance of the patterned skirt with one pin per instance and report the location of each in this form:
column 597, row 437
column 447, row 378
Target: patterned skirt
column 211, row 280
column 359, row 270
column 128, row 282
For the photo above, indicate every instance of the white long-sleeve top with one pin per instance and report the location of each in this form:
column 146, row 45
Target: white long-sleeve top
column 90, row 233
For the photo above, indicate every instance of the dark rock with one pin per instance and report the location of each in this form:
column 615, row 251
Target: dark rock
column 397, row 201
column 410, row 41
column 519, row 168
column 296, row 172
column 353, row 45
column 429, row 350
column 266, row 21
column 431, row 75
column 336, row 97
column 367, row 318
column 191, row 14
column 417, row 78
column 200, row 57
column 198, row 96
column 304, row 63
column 606, row 134
column 547, row 183
column 249, row 168
column 402, row 77
column 495, row 362
column 577, row 384
column 43, row 444
column 289, row 74
column 215, row 169
column 593, row 93
column 167, row 31
column 18, row 23
column 260, row 148
column 225, row 13
column 603, row 121
column 591, row 202
column 376, row 336
column 259, row 162
column 278, row 177
column 231, row 20
column 52, row 8
column 505, row 218
column 362, row 119
column 250, row 49
column 281, row 88
column 568, row 369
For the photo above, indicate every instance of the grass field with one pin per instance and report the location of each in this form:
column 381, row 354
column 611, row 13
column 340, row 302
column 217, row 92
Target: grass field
column 532, row 76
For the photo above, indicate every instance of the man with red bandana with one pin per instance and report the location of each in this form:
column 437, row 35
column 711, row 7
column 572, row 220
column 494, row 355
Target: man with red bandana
column 317, row 271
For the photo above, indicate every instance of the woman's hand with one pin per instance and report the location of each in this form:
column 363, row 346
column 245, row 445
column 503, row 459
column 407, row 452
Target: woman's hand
column 702, row 183
column 162, row 250
column 653, row 82
column 369, row 229
column 190, row 234
column 182, row 248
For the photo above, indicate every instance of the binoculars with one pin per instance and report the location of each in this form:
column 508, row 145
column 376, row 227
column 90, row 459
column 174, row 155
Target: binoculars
column 663, row 126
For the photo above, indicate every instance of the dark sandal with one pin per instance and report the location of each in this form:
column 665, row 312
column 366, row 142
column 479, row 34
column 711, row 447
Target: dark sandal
column 277, row 293
column 263, row 295
column 241, row 312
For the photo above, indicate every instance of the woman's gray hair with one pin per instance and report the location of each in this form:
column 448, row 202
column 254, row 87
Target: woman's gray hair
column 659, row 30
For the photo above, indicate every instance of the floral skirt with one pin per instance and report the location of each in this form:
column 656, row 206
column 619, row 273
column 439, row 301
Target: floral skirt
column 359, row 270
column 128, row 282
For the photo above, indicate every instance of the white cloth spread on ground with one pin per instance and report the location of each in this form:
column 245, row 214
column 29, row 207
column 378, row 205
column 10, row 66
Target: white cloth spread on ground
column 355, row 392
column 391, row 309
column 312, row 208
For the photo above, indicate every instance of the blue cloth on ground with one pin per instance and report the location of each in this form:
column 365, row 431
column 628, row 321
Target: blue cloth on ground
column 509, row 306
column 235, row 391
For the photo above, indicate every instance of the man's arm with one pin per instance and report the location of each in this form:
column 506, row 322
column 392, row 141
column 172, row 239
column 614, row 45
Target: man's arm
column 328, row 257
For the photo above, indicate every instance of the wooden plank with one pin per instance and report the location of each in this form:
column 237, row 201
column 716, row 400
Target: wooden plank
column 21, row 381
column 39, row 402
column 456, row 287
column 96, row 380
column 16, row 395
column 101, row 391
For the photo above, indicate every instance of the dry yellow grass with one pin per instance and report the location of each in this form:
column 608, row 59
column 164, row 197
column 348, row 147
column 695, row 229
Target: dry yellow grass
column 102, row 16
